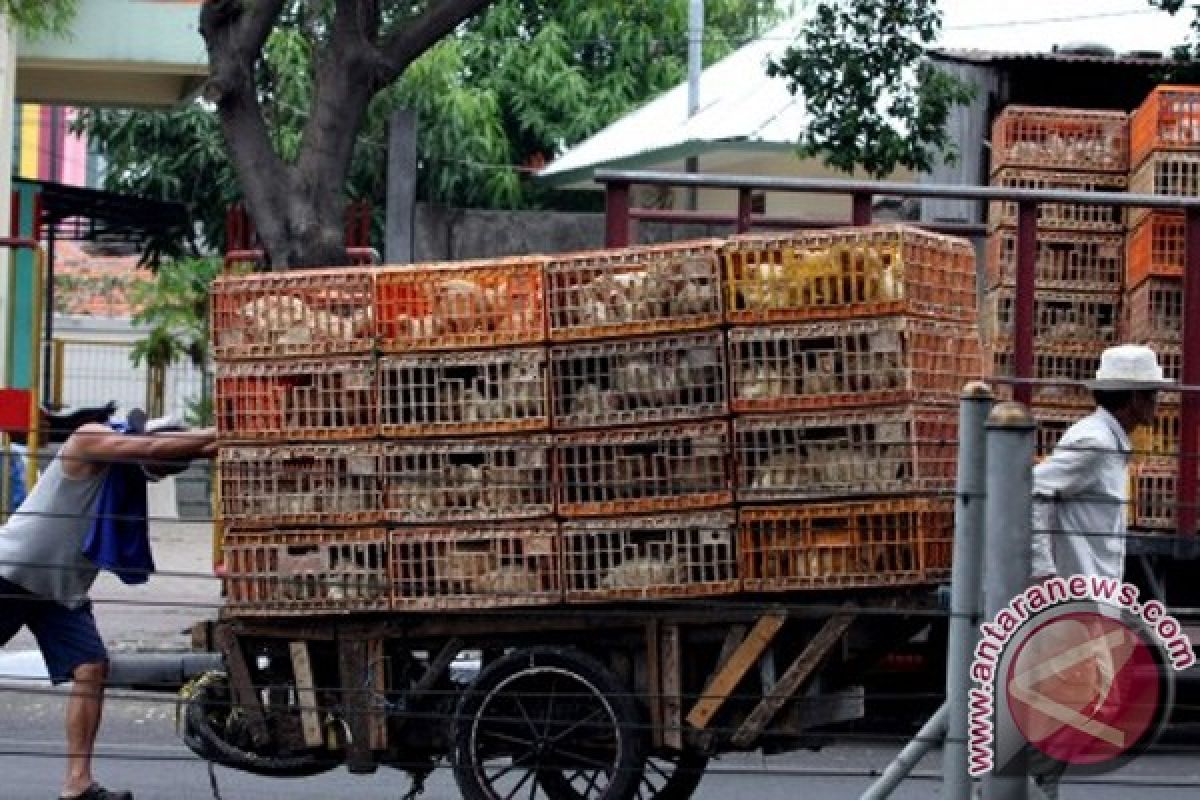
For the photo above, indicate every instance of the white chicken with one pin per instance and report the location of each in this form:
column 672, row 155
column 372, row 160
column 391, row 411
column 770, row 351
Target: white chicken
column 637, row 573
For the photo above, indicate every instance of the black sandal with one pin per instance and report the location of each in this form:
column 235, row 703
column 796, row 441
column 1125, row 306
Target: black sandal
column 98, row 792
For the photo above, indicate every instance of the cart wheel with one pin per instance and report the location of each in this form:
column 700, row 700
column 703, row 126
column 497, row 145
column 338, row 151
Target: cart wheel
column 547, row 721
column 665, row 776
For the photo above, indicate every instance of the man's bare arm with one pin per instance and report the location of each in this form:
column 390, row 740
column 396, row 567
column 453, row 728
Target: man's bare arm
column 92, row 446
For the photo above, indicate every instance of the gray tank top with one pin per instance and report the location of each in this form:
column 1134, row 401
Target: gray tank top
column 41, row 546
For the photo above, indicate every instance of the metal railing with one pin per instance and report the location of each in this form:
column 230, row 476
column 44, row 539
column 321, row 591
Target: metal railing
column 619, row 213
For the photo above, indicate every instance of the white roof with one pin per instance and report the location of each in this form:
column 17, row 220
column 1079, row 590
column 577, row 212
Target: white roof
column 739, row 103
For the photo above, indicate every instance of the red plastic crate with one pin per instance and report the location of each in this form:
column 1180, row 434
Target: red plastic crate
column 846, row 545
column 439, row 481
column 639, row 381
column 446, row 394
column 1168, row 119
column 468, row 304
column 297, row 400
column 1080, row 261
column 1061, row 138
column 648, row 557
column 1157, row 248
column 643, row 470
column 286, row 573
column 441, row 569
column 1170, row 174
column 300, row 485
column 1155, row 310
column 845, row 453
column 1058, row 317
column 833, row 274
column 634, row 291
column 851, row 363
column 296, row 313
column 1061, row 216
column 1063, row 366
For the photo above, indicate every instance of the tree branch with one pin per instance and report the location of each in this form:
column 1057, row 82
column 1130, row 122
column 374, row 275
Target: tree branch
column 403, row 47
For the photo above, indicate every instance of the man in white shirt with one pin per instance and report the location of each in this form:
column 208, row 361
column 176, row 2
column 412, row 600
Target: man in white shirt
column 1081, row 491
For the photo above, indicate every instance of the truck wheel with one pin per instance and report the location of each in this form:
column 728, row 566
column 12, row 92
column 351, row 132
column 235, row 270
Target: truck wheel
column 547, row 721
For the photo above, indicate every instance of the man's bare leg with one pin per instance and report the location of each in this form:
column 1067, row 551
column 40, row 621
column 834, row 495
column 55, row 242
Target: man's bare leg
column 84, row 709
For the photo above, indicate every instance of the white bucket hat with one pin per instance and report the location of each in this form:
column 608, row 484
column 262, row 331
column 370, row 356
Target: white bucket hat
column 1129, row 367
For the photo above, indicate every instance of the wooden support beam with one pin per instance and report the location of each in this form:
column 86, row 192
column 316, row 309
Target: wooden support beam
column 734, row 669
column 352, row 673
column 436, row 667
column 241, row 685
column 654, row 687
column 377, row 682
column 306, row 694
column 733, row 638
column 671, row 676
column 814, row 653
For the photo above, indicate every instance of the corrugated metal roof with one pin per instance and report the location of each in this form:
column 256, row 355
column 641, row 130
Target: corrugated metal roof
column 989, row 57
column 740, row 104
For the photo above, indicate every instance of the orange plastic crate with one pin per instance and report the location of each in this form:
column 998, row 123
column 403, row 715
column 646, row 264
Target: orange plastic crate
column 297, row 400
column 1152, row 503
column 1061, row 138
column 633, row 291
column 468, row 304
column 1162, row 437
column 296, row 313
column 1155, row 310
column 305, row 572
column 863, row 271
column 1061, row 216
column 643, row 470
column 1063, row 366
column 1081, row 261
column 1168, row 119
column 845, row 453
column 1065, row 317
column 851, row 363
column 639, row 381
column 1169, row 174
column 447, row 394
column 1157, row 248
column 440, row 481
column 649, row 557
column 437, row 569
column 846, row 545
column 300, row 485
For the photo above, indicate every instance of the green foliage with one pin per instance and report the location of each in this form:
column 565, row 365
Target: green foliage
column 175, row 306
column 511, row 89
column 40, row 16
column 874, row 103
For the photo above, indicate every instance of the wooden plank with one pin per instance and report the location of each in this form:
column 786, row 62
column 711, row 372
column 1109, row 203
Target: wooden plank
column 242, row 685
column 796, row 676
column 654, row 688
column 352, row 673
column 306, row 694
column 733, row 638
column 735, row 668
column 377, row 680
column 671, row 678
column 434, row 671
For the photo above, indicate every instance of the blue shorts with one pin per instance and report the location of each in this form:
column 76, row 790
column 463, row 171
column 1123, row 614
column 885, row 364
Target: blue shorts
column 67, row 637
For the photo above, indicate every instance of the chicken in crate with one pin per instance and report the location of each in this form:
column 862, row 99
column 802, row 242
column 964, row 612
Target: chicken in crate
column 470, row 304
column 846, row 453
column 1084, row 261
column 298, row 313
column 462, row 568
column 1061, row 138
column 871, row 271
column 654, row 556
column 475, row 392
column 850, row 363
column 436, row 481
column 293, row 400
column 647, row 469
column 1070, row 317
column 640, row 380
column 633, row 291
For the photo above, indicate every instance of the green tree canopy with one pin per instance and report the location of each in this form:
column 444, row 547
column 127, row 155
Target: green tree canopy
column 40, row 16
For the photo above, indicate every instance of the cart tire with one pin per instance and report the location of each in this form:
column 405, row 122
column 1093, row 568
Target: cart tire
column 665, row 776
column 545, row 718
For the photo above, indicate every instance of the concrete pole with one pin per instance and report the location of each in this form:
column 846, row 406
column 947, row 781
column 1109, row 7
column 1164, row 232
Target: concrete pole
column 965, row 587
column 8, row 91
column 930, row 735
column 401, row 187
column 1008, row 512
column 695, row 68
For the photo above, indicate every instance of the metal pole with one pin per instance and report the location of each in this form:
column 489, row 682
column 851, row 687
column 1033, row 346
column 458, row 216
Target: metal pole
column 616, row 215
column 973, row 409
column 860, row 208
column 1189, row 414
column 1008, row 548
column 909, row 757
column 695, row 68
column 745, row 210
column 1023, row 312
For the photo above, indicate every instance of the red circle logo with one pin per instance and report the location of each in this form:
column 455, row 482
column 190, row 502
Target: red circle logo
column 1084, row 688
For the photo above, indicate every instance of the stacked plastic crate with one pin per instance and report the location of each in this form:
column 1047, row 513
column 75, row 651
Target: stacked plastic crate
column 640, row 410
column 296, row 411
column 847, row 352
column 1080, row 251
column 1164, row 159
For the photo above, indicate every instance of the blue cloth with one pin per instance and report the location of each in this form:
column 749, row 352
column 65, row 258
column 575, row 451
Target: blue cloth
column 119, row 541
column 16, row 478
